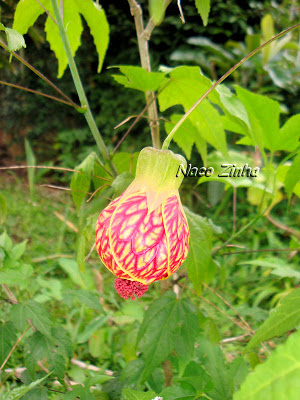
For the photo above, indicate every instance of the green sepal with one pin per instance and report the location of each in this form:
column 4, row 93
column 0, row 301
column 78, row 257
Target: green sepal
column 157, row 175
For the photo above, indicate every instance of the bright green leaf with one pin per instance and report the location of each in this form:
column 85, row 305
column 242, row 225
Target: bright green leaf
column 267, row 28
column 21, row 312
column 125, row 162
column 41, row 347
column 157, row 336
column 15, row 40
column 18, row 250
column 73, row 26
column 96, row 19
column 81, row 180
column 283, row 318
column 263, row 114
column 72, row 269
column 85, row 297
column 292, row 176
column 203, row 7
column 62, row 341
column 199, row 257
column 288, row 137
column 17, row 393
column 3, row 209
column 186, row 86
column 278, row 267
column 278, row 377
column 186, row 135
column 27, row 12
column 129, row 394
column 79, row 391
column 31, row 161
column 121, row 183
column 138, row 78
column 15, row 276
column 7, row 339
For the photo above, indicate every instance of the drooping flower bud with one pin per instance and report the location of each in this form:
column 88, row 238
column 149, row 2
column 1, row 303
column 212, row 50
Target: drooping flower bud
column 142, row 236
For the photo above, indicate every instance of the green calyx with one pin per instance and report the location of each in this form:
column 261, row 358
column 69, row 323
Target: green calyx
column 157, row 173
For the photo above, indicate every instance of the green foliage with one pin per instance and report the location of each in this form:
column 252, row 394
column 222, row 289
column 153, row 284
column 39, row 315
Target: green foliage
column 186, row 86
column 81, row 180
column 7, row 339
column 3, row 209
column 157, row 10
column 60, row 305
column 28, row 11
column 129, row 394
column 170, row 318
column 33, row 311
column 283, row 318
column 138, row 78
column 31, row 161
column 17, row 393
column 279, row 374
column 15, row 41
column 203, row 7
column 199, row 264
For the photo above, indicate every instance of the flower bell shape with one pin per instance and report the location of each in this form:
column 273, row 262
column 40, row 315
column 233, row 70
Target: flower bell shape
column 142, row 236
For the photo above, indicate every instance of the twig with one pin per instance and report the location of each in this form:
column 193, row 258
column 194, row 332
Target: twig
column 68, row 223
column 234, row 210
column 90, row 252
column 36, row 92
column 235, row 311
column 12, row 298
column 97, row 190
column 51, row 257
column 53, row 168
column 13, row 348
column 229, row 305
column 258, row 251
column 282, row 226
column 136, row 12
column 139, row 117
column 180, row 11
column 235, row 339
column 90, row 367
column 46, row 11
column 40, row 75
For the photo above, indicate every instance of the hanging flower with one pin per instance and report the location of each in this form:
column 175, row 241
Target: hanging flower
column 142, row 236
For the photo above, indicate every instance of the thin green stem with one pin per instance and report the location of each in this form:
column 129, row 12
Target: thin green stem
column 229, row 72
column 80, row 90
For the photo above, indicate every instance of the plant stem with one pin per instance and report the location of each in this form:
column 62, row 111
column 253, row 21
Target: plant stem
column 80, row 90
column 136, row 12
column 229, row 72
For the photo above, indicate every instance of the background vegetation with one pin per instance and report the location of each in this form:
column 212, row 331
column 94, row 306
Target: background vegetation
column 209, row 331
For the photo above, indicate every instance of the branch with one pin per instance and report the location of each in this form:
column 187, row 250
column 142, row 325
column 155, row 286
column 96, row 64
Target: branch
column 136, row 12
column 13, row 348
column 283, row 227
